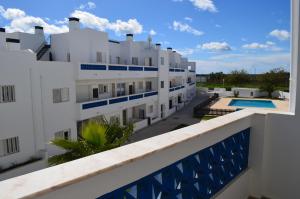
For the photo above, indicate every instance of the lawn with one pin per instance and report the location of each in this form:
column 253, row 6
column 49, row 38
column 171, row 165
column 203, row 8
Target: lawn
column 249, row 85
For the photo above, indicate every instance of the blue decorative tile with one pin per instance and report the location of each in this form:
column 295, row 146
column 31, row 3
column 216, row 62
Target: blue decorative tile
column 200, row 175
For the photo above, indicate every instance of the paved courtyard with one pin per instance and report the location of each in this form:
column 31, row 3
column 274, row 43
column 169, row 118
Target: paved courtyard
column 183, row 116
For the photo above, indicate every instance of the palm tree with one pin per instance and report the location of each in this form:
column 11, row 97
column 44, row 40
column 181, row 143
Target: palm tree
column 95, row 137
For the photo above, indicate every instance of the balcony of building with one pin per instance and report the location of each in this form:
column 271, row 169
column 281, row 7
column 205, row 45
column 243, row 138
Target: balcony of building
column 107, row 71
column 233, row 156
column 94, row 99
column 252, row 153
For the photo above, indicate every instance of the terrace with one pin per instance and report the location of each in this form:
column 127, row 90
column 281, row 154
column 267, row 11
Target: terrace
column 246, row 153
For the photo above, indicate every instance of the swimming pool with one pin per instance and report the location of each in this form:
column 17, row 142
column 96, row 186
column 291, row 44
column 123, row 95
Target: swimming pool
column 252, row 103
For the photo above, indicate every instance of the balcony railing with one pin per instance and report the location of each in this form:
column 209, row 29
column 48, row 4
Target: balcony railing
column 104, row 67
column 176, row 88
column 199, row 161
column 200, row 175
column 115, row 100
column 176, row 70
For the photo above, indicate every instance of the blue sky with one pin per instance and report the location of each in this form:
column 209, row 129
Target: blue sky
column 219, row 35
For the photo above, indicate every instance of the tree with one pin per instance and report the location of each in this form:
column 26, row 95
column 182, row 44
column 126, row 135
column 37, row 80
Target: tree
column 238, row 77
column 269, row 81
column 96, row 136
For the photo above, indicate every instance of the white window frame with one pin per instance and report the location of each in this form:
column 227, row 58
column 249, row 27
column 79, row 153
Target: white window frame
column 9, row 146
column 61, row 95
column 162, row 60
column 7, row 94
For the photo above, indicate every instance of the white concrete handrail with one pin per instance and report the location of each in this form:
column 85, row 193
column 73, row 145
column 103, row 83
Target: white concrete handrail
column 98, row 174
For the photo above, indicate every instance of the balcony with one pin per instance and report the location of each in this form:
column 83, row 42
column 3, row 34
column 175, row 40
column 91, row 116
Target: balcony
column 98, row 107
column 173, row 72
column 228, row 157
column 115, row 71
column 176, row 89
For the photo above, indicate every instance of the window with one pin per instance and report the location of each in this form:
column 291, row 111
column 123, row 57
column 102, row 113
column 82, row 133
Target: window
column 141, row 85
column 68, row 57
column 148, row 86
column 7, row 94
column 135, row 61
column 162, row 84
column 120, row 89
column 65, row 134
column 118, row 60
column 162, row 61
column 99, row 57
column 148, row 61
column 61, row 95
column 151, row 109
column 102, row 88
column 9, row 146
column 95, row 93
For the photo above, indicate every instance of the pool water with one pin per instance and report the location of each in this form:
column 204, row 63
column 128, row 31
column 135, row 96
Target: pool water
column 252, row 103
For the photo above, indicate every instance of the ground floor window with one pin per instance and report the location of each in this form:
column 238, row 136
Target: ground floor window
column 9, row 146
column 64, row 134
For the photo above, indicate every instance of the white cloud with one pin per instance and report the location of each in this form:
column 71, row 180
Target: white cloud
column 215, row 46
column 183, row 27
column 188, row 19
column 21, row 22
column 218, row 26
column 206, row 5
column 130, row 26
column 88, row 6
column 186, row 51
column 266, row 46
column 12, row 13
column 152, row 32
column 92, row 21
column 177, row 0
column 280, row 34
column 262, row 63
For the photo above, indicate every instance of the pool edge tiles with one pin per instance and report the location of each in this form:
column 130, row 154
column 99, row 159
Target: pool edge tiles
column 252, row 103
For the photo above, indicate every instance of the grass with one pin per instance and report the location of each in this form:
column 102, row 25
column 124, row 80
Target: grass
column 249, row 85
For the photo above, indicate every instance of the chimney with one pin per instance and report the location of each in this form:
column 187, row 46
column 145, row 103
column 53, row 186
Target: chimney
column 38, row 30
column 169, row 49
column 129, row 37
column 13, row 44
column 2, row 38
column 174, row 51
column 74, row 24
column 158, row 46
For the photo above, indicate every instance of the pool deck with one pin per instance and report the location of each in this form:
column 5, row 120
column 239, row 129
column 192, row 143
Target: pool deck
column 222, row 103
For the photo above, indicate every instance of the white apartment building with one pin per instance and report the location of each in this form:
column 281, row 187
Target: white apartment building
column 50, row 90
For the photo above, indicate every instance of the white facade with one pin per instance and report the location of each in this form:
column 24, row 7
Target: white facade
column 52, row 90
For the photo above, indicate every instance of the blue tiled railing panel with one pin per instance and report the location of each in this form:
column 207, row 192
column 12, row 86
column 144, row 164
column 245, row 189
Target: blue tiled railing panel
column 117, row 67
column 150, row 69
column 200, row 175
column 118, row 100
column 150, row 94
column 92, row 67
column 94, row 104
column 132, row 68
column 133, row 97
